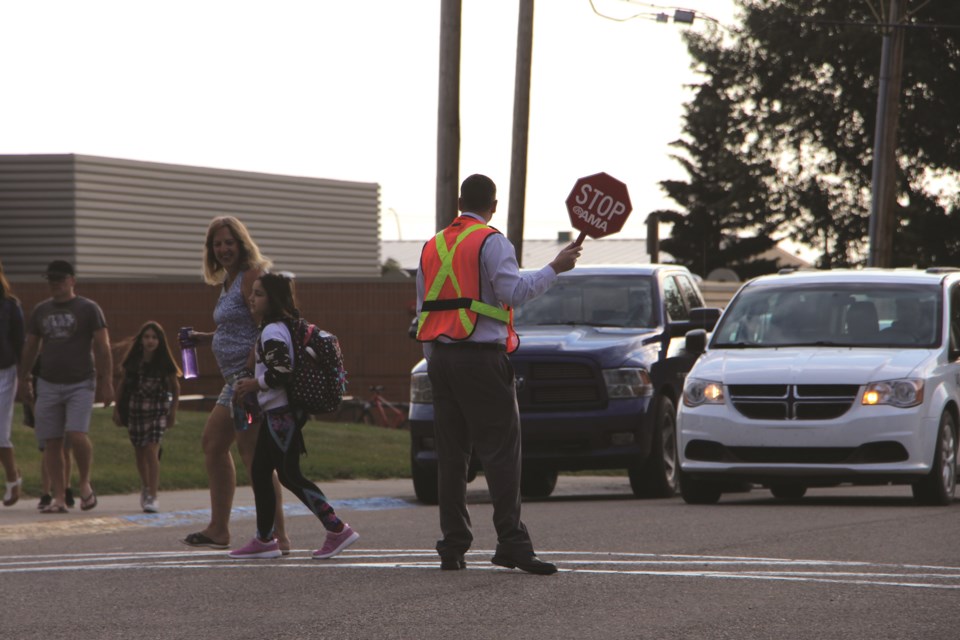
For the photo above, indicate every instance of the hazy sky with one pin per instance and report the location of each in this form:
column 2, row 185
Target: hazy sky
column 348, row 90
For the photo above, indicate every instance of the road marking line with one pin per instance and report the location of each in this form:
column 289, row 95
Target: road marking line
column 572, row 563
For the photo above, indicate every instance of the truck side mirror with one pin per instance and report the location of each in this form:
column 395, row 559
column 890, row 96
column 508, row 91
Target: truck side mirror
column 696, row 341
column 704, row 317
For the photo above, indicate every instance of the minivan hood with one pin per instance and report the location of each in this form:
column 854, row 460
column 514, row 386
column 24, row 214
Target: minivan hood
column 808, row 365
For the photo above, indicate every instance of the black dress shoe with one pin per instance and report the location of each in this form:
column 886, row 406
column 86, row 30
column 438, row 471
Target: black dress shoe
column 529, row 563
column 452, row 563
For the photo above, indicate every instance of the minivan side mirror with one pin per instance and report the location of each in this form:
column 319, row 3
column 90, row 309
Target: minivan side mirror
column 696, row 342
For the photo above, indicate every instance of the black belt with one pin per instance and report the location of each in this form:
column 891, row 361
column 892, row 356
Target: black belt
column 482, row 346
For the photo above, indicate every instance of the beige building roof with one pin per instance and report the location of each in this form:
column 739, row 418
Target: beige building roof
column 536, row 253
column 126, row 220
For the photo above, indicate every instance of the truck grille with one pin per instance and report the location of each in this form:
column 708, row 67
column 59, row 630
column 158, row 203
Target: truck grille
column 561, row 385
column 793, row 402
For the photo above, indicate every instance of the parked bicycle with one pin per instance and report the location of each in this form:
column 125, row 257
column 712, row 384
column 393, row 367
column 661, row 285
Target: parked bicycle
column 375, row 410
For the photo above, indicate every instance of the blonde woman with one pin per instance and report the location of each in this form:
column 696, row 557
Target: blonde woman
column 233, row 262
column 11, row 344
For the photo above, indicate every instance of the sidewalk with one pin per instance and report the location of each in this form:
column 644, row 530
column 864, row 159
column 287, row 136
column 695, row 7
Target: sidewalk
column 179, row 507
column 117, row 512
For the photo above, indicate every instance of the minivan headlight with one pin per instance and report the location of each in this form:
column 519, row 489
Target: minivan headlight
column 627, row 383
column 697, row 392
column 420, row 390
column 902, row 393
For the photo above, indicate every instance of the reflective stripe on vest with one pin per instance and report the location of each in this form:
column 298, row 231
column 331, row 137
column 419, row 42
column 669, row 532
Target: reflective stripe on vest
column 467, row 307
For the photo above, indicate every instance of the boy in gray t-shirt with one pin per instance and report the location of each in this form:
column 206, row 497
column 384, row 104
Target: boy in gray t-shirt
column 70, row 334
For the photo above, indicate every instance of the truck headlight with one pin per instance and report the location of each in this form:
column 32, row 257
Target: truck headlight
column 627, row 383
column 420, row 390
column 697, row 392
column 897, row 393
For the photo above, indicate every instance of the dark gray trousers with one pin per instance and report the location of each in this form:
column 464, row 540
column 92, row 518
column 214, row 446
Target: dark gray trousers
column 475, row 409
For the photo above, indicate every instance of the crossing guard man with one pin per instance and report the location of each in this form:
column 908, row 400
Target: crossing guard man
column 467, row 283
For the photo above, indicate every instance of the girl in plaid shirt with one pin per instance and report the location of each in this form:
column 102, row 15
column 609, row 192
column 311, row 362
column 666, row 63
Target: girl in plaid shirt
column 147, row 404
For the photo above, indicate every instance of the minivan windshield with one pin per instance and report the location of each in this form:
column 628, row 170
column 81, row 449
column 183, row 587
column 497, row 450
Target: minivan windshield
column 599, row 301
column 833, row 314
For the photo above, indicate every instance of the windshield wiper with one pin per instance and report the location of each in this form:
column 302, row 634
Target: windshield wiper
column 815, row 343
column 739, row 345
column 572, row 323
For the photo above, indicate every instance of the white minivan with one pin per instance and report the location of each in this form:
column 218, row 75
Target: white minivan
column 816, row 378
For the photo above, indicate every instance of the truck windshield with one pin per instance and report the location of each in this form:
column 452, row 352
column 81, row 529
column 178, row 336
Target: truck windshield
column 601, row 301
column 836, row 314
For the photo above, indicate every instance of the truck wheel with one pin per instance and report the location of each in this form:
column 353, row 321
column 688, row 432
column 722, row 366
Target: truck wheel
column 940, row 485
column 424, row 481
column 537, row 483
column 697, row 491
column 656, row 477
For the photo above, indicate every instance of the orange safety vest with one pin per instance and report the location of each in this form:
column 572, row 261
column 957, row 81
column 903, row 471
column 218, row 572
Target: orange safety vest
column 451, row 275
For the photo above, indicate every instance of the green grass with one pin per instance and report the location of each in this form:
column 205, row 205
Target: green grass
column 334, row 451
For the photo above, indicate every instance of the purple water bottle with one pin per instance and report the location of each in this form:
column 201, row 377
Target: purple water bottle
column 188, row 353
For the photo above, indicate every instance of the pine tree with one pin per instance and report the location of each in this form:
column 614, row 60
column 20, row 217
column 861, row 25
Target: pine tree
column 778, row 139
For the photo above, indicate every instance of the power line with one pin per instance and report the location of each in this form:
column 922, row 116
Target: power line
column 680, row 15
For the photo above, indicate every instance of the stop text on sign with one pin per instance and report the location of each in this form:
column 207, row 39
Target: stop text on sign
column 597, row 208
column 598, row 205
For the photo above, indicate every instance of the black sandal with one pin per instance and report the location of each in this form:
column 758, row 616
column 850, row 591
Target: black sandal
column 200, row 540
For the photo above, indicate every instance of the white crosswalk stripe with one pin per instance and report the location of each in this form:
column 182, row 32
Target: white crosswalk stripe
column 573, row 563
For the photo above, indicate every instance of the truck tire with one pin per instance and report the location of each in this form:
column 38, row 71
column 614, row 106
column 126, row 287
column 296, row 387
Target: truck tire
column 656, row 477
column 537, row 483
column 424, row 481
column 940, row 485
column 789, row 491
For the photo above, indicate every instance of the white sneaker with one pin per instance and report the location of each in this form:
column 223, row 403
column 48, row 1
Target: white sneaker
column 143, row 497
column 151, row 505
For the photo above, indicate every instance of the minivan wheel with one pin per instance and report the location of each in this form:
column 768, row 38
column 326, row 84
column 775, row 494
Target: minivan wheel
column 656, row 477
column 698, row 491
column 537, row 483
column 940, row 485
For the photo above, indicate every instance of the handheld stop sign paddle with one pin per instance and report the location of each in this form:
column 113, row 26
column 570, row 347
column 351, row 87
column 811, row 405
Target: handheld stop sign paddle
column 598, row 206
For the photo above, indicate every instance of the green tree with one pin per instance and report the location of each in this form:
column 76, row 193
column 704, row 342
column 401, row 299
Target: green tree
column 724, row 223
column 792, row 95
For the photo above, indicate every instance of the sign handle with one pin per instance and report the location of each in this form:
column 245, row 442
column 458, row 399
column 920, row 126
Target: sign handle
column 580, row 238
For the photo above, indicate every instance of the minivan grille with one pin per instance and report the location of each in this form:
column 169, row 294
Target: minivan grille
column 793, row 402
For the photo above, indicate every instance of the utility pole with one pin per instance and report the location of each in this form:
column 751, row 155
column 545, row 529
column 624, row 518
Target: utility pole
column 884, row 179
column 448, row 115
column 521, row 125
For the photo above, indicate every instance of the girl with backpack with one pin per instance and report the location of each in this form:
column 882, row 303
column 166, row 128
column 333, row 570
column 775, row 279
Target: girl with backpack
column 146, row 404
column 280, row 441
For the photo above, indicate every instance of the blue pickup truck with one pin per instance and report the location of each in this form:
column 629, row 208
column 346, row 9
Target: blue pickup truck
column 599, row 372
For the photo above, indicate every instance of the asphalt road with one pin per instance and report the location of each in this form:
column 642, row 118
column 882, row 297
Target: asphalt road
column 845, row 563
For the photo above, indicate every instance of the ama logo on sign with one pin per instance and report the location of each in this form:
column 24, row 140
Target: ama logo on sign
column 598, row 205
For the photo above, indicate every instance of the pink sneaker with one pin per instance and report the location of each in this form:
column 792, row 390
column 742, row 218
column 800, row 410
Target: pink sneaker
column 257, row 549
column 336, row 542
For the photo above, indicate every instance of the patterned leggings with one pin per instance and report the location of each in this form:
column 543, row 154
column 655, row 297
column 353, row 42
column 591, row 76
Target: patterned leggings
column 279, row 446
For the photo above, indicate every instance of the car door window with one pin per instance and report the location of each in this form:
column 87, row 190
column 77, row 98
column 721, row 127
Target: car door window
column 955, row 319
column 673, row 300
column 689, row 292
